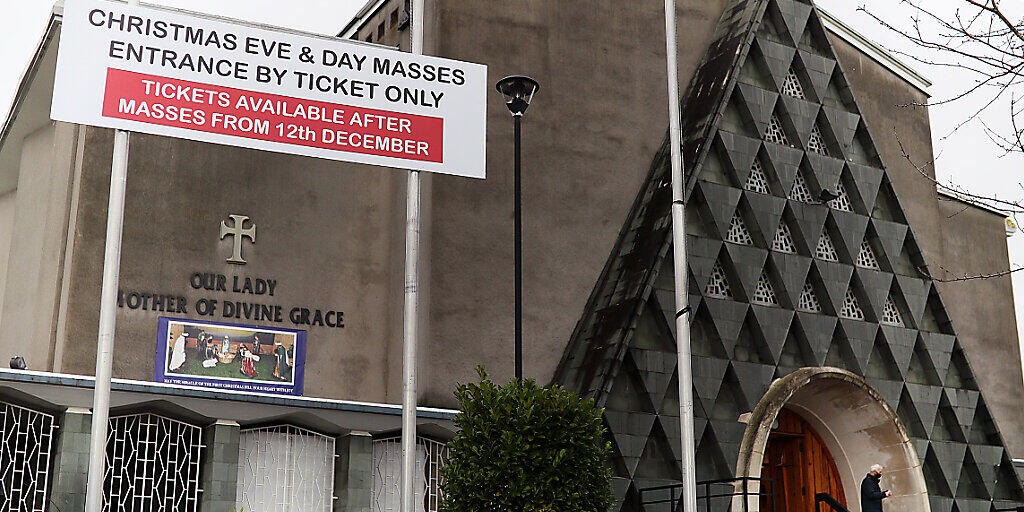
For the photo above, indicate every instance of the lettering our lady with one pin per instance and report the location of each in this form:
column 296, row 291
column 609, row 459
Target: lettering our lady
column 178, row 352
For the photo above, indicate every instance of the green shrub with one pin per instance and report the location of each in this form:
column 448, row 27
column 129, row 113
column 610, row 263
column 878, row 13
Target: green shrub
column 525, row 448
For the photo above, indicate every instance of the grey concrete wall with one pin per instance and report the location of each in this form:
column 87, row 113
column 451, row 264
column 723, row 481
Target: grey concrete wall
column 322, row 233
column 37, row 239
column 982, row 312
column 7, row 208
column 588, row 141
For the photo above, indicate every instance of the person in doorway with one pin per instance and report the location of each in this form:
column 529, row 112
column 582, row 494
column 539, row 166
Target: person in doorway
column 871, row 493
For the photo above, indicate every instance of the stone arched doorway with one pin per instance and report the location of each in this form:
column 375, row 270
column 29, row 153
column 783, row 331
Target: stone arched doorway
column 856, row 425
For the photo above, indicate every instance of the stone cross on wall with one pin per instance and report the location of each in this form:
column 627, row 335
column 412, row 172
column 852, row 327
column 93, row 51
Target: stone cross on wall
column 238, row 232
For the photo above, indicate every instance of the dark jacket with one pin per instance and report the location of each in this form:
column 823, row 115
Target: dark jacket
column 871, row 494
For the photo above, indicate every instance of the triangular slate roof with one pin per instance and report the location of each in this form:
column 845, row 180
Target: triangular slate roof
column 886, row 324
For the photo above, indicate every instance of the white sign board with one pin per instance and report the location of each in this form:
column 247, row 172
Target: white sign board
column 165, row 73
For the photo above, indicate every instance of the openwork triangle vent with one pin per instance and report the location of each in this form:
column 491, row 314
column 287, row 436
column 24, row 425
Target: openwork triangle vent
column 800, row 191
column 842, row 202
column 718, row 286
column 808, row 300
column 866, row 257
column 738, row 233
column 816, row 143
column 850, row 307
column 775, row 133
column 757, row 181
column 792, row 87
column 783, row 241
column 826, row 250
column 890, row 314
column 764, row 294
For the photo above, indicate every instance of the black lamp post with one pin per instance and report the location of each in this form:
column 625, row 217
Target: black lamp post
column 518, row 90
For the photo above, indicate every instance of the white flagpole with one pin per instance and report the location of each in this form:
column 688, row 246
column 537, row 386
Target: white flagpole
column 108, row 319
column 679, row 259
column 412, row 283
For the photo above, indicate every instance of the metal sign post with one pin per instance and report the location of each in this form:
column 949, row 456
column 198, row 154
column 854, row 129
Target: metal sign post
column 412, row 283
column 679, row 259
column 108, row 319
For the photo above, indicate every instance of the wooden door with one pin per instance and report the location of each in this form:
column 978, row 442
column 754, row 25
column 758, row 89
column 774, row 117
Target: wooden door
column 800, row 465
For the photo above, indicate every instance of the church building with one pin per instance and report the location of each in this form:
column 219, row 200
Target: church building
column 258, row 346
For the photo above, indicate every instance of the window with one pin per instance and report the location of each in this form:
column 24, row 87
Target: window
column 394, row 18
column 380, row 31
column 764, row 294
column 826, row 250
column 783, row 241
column 851, row 309
column 816, row 143
column 842, row 202
column 866, row 257
column 738, row 233
column 800, row 191
column 718, row 287
column 757, row 181
column 26, row 441
column 285, row 469
column 775, row 133
column 386, row 488
column 791, row 86
column 152, row 464
column 890, row 314
column 808, row 300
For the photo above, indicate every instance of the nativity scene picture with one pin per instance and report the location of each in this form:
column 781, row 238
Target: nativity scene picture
column 228, row 352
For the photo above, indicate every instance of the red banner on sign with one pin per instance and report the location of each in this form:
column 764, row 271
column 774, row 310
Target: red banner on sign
column 270, row 117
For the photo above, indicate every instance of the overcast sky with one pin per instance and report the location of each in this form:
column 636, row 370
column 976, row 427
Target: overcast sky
column 967, row 157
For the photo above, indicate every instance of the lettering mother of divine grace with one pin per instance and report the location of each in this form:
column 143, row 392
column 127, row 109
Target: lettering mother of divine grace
column 231, row 309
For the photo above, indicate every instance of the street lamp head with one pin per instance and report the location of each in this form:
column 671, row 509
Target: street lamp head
column 827, row 195
column 517, row 90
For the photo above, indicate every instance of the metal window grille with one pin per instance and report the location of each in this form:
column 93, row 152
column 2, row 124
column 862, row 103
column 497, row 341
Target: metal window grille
column 738, row 233
column 285, row 469
column 851, row 309
column 152, row 465
column 791, row 86
column 718, row 286
column 890, row 314
column 757, row 181
column 826, row 250
column 775, row 133
column 843, row 201
column 386, row 487
column 763, row 293
column 816, row 143
column 808, row 301
column 26, row 441
column 866, row 257
column 800, row 191
column 783, row 241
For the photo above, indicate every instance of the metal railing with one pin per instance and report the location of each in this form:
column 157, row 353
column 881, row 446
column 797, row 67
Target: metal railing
column 713, row 496
column 826, row 498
